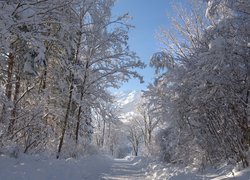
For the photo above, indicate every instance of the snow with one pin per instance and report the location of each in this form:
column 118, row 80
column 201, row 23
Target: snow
column 40, row 168
column 127, row 101
column 129, row 168
column 28, row 68
column 97, row 166
column 217, row 44
column 159, row 171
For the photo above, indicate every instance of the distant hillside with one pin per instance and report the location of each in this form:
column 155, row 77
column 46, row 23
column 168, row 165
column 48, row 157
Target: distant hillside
column 127, row 101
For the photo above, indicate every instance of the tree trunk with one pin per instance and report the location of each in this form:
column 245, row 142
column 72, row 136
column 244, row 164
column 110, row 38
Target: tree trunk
column 8, row 88
column 149, row 130
column 80, row 107
column 43, row 80
column 145, row 130
column 149, row 136
column 66, row 118
column 14, row 110
column 103, row 132
column 109, row 129
column 247, row 131
column 136, row 147
column 78, row 122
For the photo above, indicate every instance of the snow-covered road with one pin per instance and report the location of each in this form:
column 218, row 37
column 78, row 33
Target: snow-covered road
column 95, row 167
column 127, row 169
column 101, row 167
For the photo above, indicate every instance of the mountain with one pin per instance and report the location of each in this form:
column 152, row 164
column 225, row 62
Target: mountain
column 127, row 102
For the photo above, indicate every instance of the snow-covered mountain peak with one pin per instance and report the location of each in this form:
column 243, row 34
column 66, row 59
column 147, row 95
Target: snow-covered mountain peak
column 127, row 97
column 127, row 102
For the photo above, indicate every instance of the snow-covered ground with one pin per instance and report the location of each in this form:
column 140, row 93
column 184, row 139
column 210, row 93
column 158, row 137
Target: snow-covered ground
column 39, row 168
column 102, row 167
column 160, row 171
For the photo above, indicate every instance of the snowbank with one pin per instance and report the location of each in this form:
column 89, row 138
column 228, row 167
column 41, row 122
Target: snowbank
column 159, row 171
column 40, row 168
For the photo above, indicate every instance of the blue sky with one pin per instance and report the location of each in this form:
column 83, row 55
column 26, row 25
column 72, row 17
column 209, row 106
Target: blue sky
column 148, row 17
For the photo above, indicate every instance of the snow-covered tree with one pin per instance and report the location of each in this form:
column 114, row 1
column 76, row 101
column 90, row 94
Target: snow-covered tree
column 58, row 59
column 204, row 82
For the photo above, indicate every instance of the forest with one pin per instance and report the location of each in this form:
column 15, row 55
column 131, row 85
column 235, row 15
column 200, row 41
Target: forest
column 60, row 61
